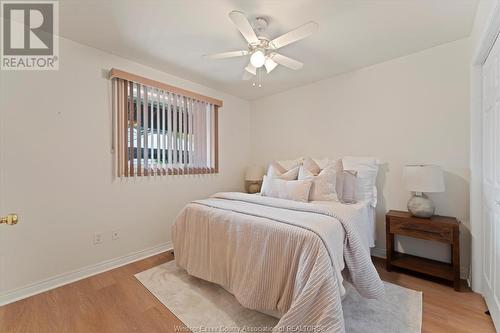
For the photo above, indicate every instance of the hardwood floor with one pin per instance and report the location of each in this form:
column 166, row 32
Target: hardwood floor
column 115, row 301
column 445, row 310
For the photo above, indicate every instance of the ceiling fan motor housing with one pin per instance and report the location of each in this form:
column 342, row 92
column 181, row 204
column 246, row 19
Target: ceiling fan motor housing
column 260, row 26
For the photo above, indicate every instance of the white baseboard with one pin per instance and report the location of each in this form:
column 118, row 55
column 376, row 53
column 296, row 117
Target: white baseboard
column 65, row 278
column 378, row 252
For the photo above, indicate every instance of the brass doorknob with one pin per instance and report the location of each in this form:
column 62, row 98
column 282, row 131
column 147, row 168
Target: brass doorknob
column 10, row 219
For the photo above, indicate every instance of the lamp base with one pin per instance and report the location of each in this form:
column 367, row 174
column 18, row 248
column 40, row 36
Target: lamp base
column 421, row 206
column 253, row 186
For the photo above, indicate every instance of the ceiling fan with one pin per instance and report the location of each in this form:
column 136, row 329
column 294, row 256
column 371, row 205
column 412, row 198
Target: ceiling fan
column 261, row 49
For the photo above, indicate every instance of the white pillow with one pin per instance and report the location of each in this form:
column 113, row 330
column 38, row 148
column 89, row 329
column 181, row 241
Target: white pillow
column 349, row 186
column 367, row 169
column 323, row 185
column 297, row 190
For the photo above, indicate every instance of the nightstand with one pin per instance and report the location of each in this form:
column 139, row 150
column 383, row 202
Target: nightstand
column 437, row 228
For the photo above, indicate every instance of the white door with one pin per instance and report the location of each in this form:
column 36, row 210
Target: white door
column 491, row 182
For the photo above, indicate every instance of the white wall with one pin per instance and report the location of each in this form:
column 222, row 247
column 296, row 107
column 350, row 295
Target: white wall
column 412, row 109
column 56, row 165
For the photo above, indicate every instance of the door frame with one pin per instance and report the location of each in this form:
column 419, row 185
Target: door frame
column 487, row 40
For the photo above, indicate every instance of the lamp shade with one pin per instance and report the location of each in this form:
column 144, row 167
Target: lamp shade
column 254, row 173
column 424, row 178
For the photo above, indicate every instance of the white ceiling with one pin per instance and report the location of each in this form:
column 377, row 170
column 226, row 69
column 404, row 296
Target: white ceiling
column 173, row 35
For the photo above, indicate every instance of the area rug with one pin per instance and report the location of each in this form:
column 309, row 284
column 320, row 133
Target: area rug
column 204, row 306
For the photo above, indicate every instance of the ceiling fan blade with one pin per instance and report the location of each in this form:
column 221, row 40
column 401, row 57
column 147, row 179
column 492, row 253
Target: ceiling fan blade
column 247, row 76
column 292, row 36
column 241, row 22
column 270, row 64
column 287, row 62
column 251, row 69
column 224, row 55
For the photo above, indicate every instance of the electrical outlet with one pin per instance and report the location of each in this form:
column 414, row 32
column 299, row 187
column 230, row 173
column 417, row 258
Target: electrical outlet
column 115, row 235
column 97, row 238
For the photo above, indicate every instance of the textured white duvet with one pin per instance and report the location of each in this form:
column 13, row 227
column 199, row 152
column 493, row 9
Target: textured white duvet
column 277, row 256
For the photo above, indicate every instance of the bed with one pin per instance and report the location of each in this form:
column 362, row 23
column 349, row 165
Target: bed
column 285, row 258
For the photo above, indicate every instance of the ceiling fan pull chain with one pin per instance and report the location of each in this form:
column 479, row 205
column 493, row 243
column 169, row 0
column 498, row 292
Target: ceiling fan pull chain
column 260, row 77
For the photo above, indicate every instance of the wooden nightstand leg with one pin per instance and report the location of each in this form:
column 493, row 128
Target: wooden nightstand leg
column 455, row 251
column 389, row 250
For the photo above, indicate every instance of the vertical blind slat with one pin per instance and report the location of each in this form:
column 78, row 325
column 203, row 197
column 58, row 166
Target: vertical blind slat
column 188, row 134
column 115, row 128
column 200, row 140
column 209, row 139
column 204, row 131
column 158, row 156
column 169, row 129
column 175, row 122
column 151, row 132
column 139, row 129
column 199, row 158
column 191, row 136
column 184, row 133
column 131, row 129
column 181, row 133
column 146, row 131
column 195, row 134
column 216, row 138
column 125, row 127
column 212, row 139
column 163, row 134
column 120, row 121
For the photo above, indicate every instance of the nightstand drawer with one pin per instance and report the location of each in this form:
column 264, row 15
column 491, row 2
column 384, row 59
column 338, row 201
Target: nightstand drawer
column 420, row 230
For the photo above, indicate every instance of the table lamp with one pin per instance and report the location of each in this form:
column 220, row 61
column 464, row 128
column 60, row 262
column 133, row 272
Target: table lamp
column 253, row 178
column 420, row 179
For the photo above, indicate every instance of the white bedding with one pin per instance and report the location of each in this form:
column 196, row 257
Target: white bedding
column 366, row 221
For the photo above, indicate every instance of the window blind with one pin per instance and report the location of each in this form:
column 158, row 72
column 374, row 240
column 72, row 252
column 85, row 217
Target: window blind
column 162, row 131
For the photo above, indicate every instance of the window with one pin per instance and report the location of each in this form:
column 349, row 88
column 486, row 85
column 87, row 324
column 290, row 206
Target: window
column 162, row 130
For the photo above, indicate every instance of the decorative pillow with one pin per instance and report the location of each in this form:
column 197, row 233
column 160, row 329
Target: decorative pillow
column 297, row 190
column 322, row 163
column 292, row 174
column 278, row 170
column 367, row 169
column 290, row 164
column 311, row 166
column 349, row 186
column 278, row 167
column 323, row 184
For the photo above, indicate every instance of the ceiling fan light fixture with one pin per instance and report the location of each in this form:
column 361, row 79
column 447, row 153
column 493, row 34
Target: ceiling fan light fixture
column 251, row 69
column 270, row 65
column 258, row 58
